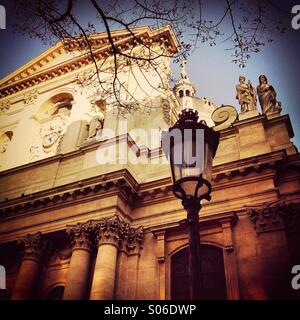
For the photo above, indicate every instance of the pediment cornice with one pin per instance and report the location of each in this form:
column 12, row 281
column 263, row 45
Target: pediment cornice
column 36, row 71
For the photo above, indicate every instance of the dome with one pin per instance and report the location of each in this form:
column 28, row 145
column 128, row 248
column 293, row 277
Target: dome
column 204, row 106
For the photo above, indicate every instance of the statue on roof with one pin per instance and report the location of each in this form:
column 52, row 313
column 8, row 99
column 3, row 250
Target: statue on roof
column 183, row 73
column 246, row 95
column 267, row 96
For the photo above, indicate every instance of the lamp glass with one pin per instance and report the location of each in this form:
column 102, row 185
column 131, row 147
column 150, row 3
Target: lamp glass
column 191, row 162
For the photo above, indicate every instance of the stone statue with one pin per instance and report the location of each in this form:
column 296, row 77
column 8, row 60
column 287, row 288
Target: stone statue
column 267, row 96
column 4, row 141
column 95, row 125
column 246, row 95
column 183, row 72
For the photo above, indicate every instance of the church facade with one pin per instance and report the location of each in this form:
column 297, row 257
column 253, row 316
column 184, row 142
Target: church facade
column 86, row 203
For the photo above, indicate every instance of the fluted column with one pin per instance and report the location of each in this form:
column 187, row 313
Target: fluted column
column 78, row 273
column 109, row 233
column 29, row 270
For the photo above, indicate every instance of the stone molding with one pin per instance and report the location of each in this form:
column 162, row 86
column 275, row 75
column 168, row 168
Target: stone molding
column 74, row 192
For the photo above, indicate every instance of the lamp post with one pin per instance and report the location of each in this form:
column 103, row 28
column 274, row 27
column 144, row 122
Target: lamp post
column 190, row 146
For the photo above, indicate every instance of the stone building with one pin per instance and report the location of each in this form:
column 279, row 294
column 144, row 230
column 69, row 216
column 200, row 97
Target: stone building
column 86, row 214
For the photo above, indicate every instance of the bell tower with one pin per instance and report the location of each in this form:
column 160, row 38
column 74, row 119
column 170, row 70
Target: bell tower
column 184, row 89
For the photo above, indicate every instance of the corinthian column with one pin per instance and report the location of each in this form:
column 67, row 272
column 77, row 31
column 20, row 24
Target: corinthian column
column 81, row 239
column 109, row 233
column 30, row 267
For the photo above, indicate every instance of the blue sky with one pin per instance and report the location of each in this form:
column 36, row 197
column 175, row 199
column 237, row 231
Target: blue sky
column 209, row 68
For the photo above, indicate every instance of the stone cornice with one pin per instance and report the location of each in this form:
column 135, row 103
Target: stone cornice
column 283, row 118
column 244, row 166
column 260, row 118
column 104, row 185
column 154, row 191
column 139, row 151
column 27, row 78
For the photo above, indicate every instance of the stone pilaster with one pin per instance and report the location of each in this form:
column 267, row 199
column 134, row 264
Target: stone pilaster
column 161, row 255
column 29, row 270
column 272, row 222
column 81, row 237
column 133, row 244
column 134, row 240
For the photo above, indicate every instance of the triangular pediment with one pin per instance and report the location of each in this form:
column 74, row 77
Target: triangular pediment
column 57, row 56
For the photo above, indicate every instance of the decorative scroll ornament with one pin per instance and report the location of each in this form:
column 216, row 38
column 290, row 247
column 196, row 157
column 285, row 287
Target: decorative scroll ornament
column 35, row 152
column 224, row 117
column 31, row 97
column 5, row 106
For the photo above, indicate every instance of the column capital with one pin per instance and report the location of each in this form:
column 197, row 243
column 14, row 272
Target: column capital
column 134, row 240
column 33, row 246
column 110, row 230
column 81, row 235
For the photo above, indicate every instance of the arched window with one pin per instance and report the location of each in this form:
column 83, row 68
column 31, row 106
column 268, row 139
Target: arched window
column 5, row 139
column 187, row 93
column 55, row 293
column 180, row 93
column 212, row 274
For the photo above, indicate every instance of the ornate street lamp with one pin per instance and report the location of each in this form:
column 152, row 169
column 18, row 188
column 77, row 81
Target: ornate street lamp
column 190, row 146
